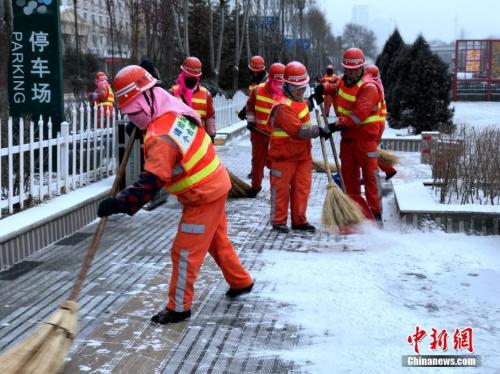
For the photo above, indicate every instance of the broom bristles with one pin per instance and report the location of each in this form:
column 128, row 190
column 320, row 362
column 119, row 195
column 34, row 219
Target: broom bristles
column 388, row 157
column 319, row 166
column 238, row 187
column 339, row 210
column 45, row 350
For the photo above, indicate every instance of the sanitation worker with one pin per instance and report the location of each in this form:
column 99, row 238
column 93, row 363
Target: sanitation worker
column 179, row 157
column 191, row 92
column 104, row 98
column 257, row 69
column 387, row 168
column 290, row 152
column 259, row 106
column 358, row 103
column 329, row 77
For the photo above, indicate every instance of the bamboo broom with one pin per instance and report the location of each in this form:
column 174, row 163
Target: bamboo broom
column 387, row 157
column 238, row 187
column 44, row 351
column 338, row 209
column 319, row 166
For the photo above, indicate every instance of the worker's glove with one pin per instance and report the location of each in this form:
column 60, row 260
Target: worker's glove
column 325, row 132
column 251, row 126
column 93, row 96
column 108, row 207
column 129, row 127
column 242, row 114
column 319, row 91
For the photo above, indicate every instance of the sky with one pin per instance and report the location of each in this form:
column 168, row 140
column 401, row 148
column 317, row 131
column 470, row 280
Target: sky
column 436, row 19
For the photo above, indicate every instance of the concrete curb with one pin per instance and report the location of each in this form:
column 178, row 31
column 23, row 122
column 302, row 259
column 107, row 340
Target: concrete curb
column 230, row 133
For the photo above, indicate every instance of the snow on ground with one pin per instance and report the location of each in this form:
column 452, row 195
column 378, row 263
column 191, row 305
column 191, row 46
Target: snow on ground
column 477, row 113
column 357, row 298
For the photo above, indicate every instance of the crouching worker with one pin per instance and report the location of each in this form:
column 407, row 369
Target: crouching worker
column 180, row 157
column 290, row 152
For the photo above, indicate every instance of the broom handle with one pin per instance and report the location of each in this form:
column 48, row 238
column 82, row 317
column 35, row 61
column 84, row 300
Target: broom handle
column 323, row 150
column 334, row 149
column 102, row 223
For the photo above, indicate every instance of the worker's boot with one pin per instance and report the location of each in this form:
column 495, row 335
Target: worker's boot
column 253, row 192
column 249, row 176
column 378, row 220
column 165, row 316
column 283, row 229
column 390, row 175
column 235, row 292
column 304, row 227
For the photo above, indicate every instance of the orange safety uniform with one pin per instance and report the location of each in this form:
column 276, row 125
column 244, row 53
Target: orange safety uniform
column 259, row 106
column 182, row 156
column 359, row 109
column 202, row 102
column 291, row 161
column 328, row 99
column 105, row 104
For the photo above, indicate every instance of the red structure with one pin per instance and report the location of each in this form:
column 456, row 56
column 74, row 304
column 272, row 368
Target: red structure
column 477, row 70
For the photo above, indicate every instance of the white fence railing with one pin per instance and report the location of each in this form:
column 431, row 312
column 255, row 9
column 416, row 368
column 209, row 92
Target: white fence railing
column 40, row 164
column 40, row 168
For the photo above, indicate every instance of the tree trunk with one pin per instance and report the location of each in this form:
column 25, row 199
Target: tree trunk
column 177, row 29
column 221, row 39
column 211, row 36
column 239, row 41
column 77, row 42
column 186, row 27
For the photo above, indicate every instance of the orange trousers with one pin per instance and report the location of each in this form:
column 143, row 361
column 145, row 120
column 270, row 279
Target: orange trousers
column 362, row 155
column 327, row 104
column 260, row 146
column 290, row 183
column 202, row 229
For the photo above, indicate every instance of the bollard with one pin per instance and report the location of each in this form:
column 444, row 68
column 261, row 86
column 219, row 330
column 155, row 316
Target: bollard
column 428, row 140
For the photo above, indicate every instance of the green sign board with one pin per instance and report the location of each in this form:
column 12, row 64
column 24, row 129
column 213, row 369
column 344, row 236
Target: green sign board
column 35, row 64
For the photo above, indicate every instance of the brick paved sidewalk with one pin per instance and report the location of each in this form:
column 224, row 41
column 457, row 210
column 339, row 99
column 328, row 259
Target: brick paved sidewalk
column 128, row 283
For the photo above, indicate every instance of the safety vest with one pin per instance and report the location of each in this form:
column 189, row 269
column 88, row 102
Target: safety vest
column 302, row 111
column 264, row 102
column 346, row 99
column 198, row 163
column 252, row 86
column 198, row 100
column 110, row 100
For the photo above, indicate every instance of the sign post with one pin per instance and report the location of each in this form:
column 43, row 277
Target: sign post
column 35, row 62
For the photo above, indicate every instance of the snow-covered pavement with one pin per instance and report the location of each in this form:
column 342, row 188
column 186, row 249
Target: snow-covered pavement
column 321, row 303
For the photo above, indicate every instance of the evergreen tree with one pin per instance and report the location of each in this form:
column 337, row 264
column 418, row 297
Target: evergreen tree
column 427, row 94
column 391, row 49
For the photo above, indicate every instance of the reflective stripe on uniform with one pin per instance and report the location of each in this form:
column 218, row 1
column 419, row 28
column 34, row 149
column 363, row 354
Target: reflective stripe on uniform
column 196, row 177
column 372, row 154
column 180, row 289
column 199, row 101
column 276, row 173
column 346, row 96
column 264, row 98
column 201, row 112
column 303, row 113
column 198, row 154
column 263, row 110
column 279, row 133
column 191, row 228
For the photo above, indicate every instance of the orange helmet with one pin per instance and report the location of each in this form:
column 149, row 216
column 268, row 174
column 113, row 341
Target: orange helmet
column 257, row 64
column 373, row 71
column 192, row 66
column 296, row 74
column 130, row 82
column 277, row 71
column 101, row 76
column 353, row 58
